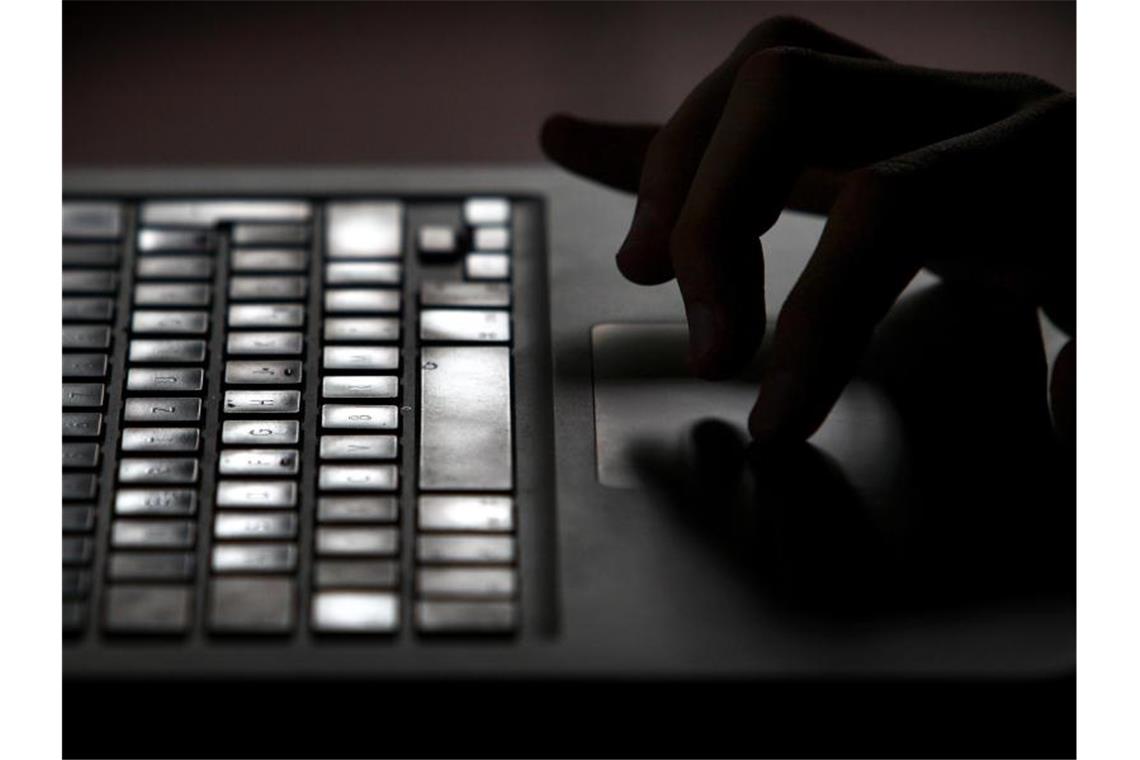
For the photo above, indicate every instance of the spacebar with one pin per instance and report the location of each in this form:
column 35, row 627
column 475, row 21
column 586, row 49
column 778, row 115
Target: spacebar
column 465, row 419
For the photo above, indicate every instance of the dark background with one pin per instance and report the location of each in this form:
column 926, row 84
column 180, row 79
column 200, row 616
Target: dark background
column 247, row 83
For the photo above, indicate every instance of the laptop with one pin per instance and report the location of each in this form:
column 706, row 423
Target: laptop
column 405, row 425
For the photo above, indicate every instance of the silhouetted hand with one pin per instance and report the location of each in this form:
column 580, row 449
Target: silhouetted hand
column 970, row 175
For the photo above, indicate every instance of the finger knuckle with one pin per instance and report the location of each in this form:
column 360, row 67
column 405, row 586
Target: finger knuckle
column 777, row 30
column 773, row 68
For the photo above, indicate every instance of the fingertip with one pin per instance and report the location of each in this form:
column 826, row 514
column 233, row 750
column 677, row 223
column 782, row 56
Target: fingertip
column 777, row 416
column 556, row 134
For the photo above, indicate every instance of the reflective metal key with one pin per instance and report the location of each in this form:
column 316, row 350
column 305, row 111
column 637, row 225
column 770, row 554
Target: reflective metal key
column 172, row 379
column 355, row 612
column 77, row 550
column 191, row 351
column 252, row 605
column 269, row 261
column 150, row 240
column 466, row 294
column 267, row 315
column 252, row 526
column 88, row 281
column 148, row 609
column 262, row 402
column 262, row 432
column 364, row 229
column 160, row 439
column 463, row 550
column 174, row 267
column 258, row 462
column 491, row 239
column 360, row 386
column 346, row 417
column 182, row 294
column 267, row 288
column 358, row 542
column 486, row 210
column 465, row 513
column 150, row 566
column 265, row 343
column 162, row 410
column 153, row 534
column 356, row 573
column 244, row 494
column 381, row 477
column 362, row 301
column 86, row 337
column 171, row 322
column 487, row 266
column 467, row 582
column 253, row 558
column 209, row 213
column 156, row 502
column 88, row 309
column 95, row 220
column 83, row 395
column 437, row 240
column 363, row 273
column 357, row 509
column 158, row 470
column 377, row 329
column 82, row 424
column 79, row 486
column 78, row 519
column 85, row 365
column 82, row 456
column 270, row 234
column 436, row 616
column 90, row 254
column 370, row 358
column 465, row 419
column 358, row 447
column 464, row 326
column 263, row 372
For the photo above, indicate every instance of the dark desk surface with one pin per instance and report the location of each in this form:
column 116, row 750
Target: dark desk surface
column 245, row 83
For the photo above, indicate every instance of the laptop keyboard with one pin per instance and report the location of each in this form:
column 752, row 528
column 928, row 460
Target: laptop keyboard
column 246, row 449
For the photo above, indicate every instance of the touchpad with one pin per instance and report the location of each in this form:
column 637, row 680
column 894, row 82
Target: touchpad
column 644, row 395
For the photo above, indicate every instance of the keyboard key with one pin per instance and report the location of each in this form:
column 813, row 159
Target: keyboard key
column 174, row 240
column 486, row 210
column 340, row 416
column 78, row 519
column 170, row 380
column 83, row 456
column 270, row 234
column 210, row 213
column 360, row 542
column 268, row 494
column 265, row 343
column 494, row 514
column 437, row 240
column 357, row 509
column 158, row 470
column 252, row 605
column 88, row 281
column 76, row 583
column 156, row 502
column 363, row 273
column 85, row 365
column 381, row 477
column 267, row 315
column 466, row 582
column 162, row 410
column 94, row 220
column 464, row 326
column 153, row 534
column 365, row 229
column 175, row 267
column 259, row 462
column 466, row 294
column 148, row 609
column 88, row 309
column 358, row 447
column 463, row 550
column 78, row 486
column 86, row 337
column 372, row 329
column 362, row 301
column 171, row 322
column 267, row 288
column 253, row 558
column 261, row 432
column 263, row 372
column 269, row 261
column 355, row 612
column 82, row 424
column 360, row 386
column 182, row 294
column 356, row 573
column 262, row 402
column 435, row 616
column 77, row 550
column 160, row 439
column 191, row 351
column 83, row 395
column 364, row 358
column 150, row 566
column 465, row 419
column 487, row 266
column 491, row 239
column 253, row 526
column 90, row 254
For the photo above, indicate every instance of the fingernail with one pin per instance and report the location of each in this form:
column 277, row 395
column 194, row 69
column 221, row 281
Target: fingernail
column 703, row 334
column 770, row 417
